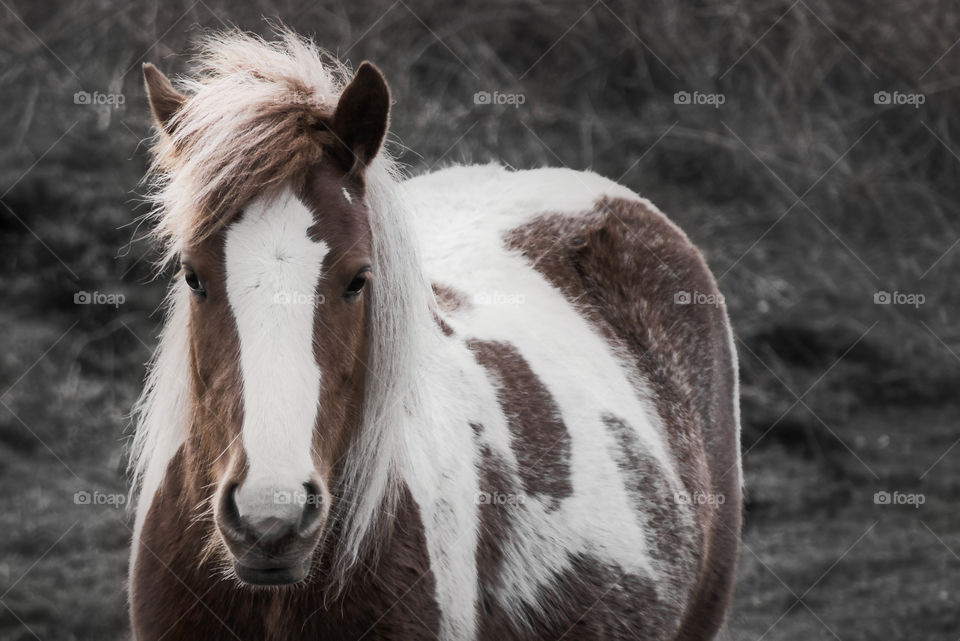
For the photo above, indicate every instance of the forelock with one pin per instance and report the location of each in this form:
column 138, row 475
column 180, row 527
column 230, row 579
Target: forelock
column 252, row 122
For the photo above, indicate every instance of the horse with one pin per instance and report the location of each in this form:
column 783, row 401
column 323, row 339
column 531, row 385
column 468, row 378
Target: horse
column 475, row 404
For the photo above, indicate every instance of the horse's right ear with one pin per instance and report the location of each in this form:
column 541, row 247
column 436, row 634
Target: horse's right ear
column 164, row 99
column 361, row 118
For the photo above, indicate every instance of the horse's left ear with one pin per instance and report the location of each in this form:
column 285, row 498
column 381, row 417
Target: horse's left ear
column 360, row 120
column 164, row 99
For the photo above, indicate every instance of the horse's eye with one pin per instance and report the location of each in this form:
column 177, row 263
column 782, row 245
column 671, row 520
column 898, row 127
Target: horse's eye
column 193, row 282
column 356, row 284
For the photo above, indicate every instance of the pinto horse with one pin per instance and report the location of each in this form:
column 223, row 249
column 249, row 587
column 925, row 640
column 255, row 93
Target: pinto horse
column 476, row 404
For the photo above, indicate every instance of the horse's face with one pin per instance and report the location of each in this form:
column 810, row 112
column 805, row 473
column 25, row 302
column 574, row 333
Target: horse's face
column 278, row 325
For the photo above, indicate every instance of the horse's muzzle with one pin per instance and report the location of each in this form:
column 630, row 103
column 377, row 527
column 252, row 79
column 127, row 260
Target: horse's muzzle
column 275, row 544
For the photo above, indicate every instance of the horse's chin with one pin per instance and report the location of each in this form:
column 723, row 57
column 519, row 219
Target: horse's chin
column 272, row 576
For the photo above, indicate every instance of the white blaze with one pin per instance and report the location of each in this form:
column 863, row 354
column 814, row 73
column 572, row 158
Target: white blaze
column 272, row 271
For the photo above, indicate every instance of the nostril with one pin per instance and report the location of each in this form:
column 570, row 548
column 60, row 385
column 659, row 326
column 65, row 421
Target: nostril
column 229, row 514
column 314, row 508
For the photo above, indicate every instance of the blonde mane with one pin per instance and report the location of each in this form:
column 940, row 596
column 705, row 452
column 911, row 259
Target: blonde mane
column 247, row 128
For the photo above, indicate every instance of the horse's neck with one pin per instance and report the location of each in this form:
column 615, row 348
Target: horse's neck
column 403, row 337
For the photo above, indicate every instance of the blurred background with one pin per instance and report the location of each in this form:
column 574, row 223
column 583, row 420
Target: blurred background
column 809, row 148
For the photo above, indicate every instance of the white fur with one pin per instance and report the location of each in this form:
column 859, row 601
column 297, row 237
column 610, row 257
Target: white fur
column 272, row 271
column 463, row 214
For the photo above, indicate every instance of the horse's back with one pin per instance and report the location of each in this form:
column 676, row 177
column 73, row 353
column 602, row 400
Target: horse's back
column 586, row 296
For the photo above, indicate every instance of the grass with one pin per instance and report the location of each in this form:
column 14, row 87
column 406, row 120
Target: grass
column 806, row 196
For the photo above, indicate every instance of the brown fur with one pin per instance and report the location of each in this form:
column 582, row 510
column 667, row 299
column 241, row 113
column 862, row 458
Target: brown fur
column 621, row 266
column 495, row 527
column 340, row 332
column 448, row 299
column 540, row 438
column 442, row 324
column 217, row 411
column 671, row 544
column 448, row 302
column 164, row 100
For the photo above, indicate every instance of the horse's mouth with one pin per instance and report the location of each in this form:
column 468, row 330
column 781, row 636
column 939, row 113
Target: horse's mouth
column 272, row 576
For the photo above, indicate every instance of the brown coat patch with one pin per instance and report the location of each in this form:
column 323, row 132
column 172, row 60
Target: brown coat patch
column 216, row 415
column 442, row 324
column 540, row 438
column 672, row 545
column 448, row 301
column 340, row 325
column 609, row 603
column 495, row 526
column 589, row 601
column 621, row 266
